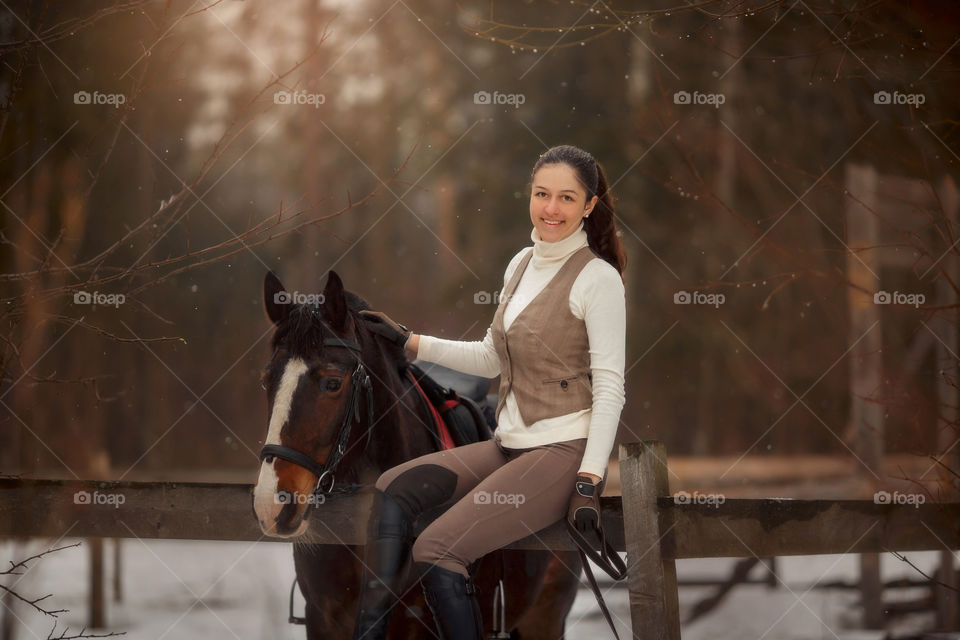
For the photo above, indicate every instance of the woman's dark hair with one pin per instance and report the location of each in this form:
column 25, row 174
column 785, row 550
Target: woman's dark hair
column 602, row 234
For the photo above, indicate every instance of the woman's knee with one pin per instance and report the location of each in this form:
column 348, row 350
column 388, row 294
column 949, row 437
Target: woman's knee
column 418, row 487
column 422, row 550
column 428, row 549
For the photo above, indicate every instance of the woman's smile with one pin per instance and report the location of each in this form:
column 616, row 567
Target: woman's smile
column 557, row 202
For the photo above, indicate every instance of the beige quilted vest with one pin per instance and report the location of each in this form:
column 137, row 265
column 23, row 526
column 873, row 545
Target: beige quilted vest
column 545, row 355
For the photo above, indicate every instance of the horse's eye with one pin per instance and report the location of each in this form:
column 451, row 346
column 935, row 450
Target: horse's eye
column 331, row 384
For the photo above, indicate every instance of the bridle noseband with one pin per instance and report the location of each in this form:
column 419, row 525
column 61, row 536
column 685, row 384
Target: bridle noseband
column 360, row 382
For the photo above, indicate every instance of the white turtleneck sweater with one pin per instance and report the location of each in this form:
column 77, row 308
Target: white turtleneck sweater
column 597, row 297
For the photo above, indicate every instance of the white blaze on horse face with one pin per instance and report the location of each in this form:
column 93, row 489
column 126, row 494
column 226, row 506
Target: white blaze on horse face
column 265, row 503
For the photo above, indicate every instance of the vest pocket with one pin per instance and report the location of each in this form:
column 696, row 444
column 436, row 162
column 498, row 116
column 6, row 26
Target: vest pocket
column 565, row 382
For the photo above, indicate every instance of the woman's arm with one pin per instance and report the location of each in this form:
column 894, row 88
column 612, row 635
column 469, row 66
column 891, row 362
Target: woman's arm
column 602, row 302
column 475, row 358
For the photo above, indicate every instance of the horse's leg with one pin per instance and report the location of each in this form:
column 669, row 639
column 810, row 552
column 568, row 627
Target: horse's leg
column 331, row 606
column 546, row 618
column 539, row 592
column 529, row 586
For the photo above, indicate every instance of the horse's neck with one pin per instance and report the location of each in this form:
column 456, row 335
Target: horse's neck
column 403, row 432
column 400, row 423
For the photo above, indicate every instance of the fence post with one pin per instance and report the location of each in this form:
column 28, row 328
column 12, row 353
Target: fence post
column 866, row 357
column 651, row 580
column 97, row 614
column 117, row 571
column 945, row 326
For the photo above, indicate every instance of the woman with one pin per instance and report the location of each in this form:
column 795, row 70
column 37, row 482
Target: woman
column 557, row 341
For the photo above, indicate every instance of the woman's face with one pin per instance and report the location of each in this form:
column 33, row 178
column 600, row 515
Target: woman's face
column 558, row 201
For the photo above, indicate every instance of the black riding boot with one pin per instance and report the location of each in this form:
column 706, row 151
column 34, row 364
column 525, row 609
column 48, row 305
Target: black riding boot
column 450, row 597
column 387, row 549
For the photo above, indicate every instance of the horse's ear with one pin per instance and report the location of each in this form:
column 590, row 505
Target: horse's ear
column 276, row 300
column 334, row 301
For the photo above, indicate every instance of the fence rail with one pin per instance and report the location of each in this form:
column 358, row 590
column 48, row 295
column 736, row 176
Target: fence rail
column 736, row 528
column 652, row 527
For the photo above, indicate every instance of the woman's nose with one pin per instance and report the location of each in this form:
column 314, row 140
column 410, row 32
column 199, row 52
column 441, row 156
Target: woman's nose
column 551, row 206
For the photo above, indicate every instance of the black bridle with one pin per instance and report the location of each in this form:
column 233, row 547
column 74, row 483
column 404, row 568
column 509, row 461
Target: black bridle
column 360, row 382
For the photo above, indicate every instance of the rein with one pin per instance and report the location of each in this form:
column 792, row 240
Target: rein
column 360, row 383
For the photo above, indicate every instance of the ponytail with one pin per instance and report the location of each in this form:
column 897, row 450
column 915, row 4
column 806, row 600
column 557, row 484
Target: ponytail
column 601, row 226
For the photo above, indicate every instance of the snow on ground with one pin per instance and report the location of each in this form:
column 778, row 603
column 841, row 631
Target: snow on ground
column 186, row 589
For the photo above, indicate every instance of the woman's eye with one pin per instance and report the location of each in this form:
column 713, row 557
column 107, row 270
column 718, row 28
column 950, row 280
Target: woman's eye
column 330, row 384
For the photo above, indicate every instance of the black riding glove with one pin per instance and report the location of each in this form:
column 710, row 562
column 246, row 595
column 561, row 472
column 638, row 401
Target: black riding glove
column 381, row 323
column 584, row 510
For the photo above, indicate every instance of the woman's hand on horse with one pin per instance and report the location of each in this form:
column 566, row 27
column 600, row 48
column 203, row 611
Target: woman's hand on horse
column 379, row 322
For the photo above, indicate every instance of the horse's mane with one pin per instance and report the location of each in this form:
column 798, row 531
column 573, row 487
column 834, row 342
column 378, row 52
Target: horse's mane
column 304, row 329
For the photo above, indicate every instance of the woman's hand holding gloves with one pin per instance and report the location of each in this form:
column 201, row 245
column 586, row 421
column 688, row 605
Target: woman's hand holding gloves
column 381, row 323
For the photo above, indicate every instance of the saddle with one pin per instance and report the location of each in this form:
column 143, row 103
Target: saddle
column 458, row 403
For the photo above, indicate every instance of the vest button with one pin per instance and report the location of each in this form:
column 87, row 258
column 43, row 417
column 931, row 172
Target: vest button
column 563, row 385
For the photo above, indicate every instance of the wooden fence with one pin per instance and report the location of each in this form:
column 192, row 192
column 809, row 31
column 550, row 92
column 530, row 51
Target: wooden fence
column 654, row 528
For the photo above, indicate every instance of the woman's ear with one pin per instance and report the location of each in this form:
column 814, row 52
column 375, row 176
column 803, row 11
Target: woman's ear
column 590, row 206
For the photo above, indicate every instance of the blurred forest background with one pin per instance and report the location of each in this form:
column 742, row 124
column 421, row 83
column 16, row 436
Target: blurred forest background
column 144, row 153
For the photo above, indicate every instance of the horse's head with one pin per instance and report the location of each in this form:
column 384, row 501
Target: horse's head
column 315, row 384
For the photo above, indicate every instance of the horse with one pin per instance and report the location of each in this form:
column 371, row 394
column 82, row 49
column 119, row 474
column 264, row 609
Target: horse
column 326, row 371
